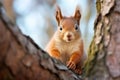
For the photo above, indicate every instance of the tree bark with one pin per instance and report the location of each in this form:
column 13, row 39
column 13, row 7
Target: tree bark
column 103, row 61
column 22, row 59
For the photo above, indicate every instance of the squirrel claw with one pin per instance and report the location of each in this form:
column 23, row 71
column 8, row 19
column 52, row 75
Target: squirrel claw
column 78, row 71
column 71, row 65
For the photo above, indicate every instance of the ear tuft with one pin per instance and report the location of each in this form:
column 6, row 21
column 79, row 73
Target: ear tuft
column 77, row 14
column 58, row 14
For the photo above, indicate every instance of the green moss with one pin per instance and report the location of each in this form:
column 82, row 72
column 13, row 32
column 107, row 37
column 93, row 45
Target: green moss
column 98, row 6
column 93, row 49
column 92, row 52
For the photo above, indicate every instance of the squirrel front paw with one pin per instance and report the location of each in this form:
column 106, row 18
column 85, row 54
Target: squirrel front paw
column 71, row 65
column 78, row 71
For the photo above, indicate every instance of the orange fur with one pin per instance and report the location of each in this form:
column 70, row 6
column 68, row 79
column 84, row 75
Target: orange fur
column 67, row 44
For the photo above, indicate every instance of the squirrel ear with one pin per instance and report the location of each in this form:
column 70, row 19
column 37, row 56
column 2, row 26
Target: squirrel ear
column 77, row 14
column 58, row 14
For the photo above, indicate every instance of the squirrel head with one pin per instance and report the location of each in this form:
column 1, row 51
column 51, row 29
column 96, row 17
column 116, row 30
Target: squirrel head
column 68, row 27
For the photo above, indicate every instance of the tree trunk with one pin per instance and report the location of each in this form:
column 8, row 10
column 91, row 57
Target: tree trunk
column 22, row 59
column 103, row 61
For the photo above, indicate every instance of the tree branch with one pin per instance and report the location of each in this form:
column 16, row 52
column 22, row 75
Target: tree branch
column 22, row 59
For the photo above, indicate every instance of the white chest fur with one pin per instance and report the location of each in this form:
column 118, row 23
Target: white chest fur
column 66, row 49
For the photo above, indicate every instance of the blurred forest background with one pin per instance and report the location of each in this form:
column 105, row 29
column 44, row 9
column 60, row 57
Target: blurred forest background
column 36, row 18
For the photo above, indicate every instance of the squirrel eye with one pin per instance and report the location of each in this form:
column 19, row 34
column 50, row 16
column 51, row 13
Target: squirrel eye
column 60, row 28
column 76, row 27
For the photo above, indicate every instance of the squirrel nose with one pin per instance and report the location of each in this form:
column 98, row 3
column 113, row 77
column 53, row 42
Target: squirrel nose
column 69, row 36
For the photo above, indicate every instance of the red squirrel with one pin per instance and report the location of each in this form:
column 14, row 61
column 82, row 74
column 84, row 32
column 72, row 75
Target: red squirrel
column 66, row 44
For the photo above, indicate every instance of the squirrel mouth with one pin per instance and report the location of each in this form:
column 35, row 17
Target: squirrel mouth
column 69, row 39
